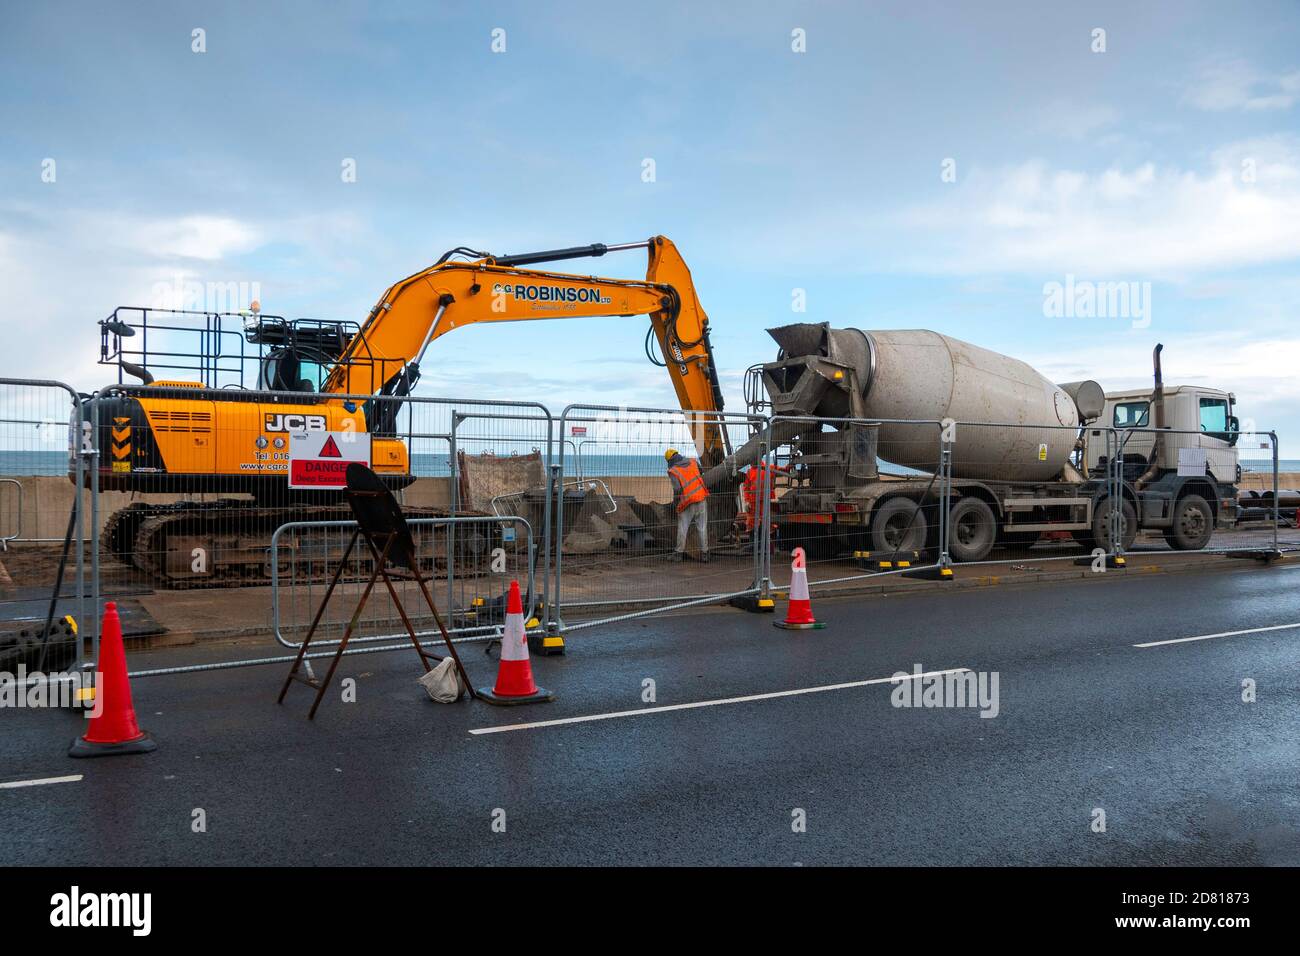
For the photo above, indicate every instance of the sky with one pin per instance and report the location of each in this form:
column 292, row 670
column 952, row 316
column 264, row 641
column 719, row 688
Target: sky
column 902, row 165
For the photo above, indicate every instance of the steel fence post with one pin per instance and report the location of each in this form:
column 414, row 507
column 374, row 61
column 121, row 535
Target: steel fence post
column 552, row 507
column 93, row 455
column 79, row 496
column 1116, row 493
column 557, row 527
column 1277, row 514
column 763, row 515
column 546, row 516
column 77, row 453
column 454, row 500
column 946, row 440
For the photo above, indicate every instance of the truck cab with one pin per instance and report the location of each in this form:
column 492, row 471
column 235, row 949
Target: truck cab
column 1200, row 419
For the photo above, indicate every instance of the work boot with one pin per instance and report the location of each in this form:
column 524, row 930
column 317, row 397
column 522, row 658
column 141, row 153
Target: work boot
column 704, row 557
column 676, row 557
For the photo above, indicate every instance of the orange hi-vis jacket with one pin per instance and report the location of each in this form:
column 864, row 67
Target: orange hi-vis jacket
column 754, row 473
column 692, row 483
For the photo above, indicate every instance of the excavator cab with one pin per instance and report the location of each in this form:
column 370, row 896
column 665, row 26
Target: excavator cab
column 298, row 354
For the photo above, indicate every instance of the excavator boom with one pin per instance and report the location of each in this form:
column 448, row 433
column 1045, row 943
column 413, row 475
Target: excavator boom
column 385, row 354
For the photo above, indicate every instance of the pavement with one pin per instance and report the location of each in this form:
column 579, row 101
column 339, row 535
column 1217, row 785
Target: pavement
column 1157, row 737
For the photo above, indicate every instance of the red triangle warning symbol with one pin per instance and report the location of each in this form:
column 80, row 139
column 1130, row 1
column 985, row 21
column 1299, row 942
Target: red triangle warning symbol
column 330, row 449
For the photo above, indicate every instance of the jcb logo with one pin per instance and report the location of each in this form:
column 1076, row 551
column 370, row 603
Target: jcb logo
column 295, row 423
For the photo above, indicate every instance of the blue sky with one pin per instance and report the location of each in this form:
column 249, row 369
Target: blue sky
column 775, row 170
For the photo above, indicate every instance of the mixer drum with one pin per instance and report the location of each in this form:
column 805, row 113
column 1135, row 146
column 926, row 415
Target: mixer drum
column 919, row 374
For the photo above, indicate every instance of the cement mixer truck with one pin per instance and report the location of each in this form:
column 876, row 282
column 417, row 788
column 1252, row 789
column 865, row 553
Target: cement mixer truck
column 1028, row 456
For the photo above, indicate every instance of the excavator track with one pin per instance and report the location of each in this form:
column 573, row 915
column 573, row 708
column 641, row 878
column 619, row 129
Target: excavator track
column 226, row 543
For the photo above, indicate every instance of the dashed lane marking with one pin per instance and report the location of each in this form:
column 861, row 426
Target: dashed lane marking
column 15, row 784
column 642, row 711
column 1207, row 637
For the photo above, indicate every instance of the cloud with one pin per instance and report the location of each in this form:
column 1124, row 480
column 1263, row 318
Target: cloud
column 1148, row 220
column 61, row 270
column 208, row 238
column 1227, row 84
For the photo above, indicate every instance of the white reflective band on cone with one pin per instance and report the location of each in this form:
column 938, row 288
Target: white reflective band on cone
column 514, row 641
column 798, row 584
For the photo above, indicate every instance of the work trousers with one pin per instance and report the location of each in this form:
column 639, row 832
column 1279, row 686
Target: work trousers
column 698, row 514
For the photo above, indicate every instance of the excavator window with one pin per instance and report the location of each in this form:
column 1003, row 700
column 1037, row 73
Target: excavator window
column 283, row 370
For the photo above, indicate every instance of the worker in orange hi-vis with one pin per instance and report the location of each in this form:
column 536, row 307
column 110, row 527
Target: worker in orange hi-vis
column 755, row 475
column 691, row 499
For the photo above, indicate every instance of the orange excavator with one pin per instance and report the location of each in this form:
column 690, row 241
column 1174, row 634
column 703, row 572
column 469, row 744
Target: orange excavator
column 183, row 436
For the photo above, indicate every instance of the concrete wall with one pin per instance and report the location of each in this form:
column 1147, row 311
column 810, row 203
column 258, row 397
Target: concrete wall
column 650, row 490
column 47, row 499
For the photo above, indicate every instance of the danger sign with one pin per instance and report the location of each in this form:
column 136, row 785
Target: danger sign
column 321, row 459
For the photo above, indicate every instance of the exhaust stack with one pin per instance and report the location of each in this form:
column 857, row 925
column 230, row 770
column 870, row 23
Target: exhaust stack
column 1158, row 416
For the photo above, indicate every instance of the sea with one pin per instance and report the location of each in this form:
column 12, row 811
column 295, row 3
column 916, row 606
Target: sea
column 55, row 462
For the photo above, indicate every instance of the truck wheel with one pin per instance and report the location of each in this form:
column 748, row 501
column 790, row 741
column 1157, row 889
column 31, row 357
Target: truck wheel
column 1193, row 524
column 972, row 530
column 1101, row 524
column 898, row 525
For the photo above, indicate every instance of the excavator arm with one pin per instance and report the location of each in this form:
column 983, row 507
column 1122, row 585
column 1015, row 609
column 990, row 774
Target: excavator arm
column 385, row 354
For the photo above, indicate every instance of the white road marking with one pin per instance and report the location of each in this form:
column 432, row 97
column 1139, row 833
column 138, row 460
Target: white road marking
column 1206, row 637
column 15, row 784
column 710, row 703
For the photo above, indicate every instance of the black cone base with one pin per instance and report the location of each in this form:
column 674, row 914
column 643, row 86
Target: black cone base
column 84, row 748
column 492, row 697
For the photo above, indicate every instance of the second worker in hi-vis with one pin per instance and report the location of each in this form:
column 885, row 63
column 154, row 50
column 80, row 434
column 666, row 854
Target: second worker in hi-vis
column 691, row 499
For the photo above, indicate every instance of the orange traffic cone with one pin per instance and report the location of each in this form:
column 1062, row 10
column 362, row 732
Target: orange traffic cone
column 114, row 731
column 515, row 673
column 799, row 616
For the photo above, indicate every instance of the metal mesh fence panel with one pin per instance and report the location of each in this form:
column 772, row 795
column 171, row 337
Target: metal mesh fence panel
column 1210, row 491
column 185, row 486
column 501, row 465
column 861, row 497
column 48, row 609
column 632, row 538
column 1268, row 498
column 1029, row 494
column 194, row 482
column 475, row 556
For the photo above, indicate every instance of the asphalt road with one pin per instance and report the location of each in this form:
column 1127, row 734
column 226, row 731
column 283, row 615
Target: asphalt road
column 1159, row 738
